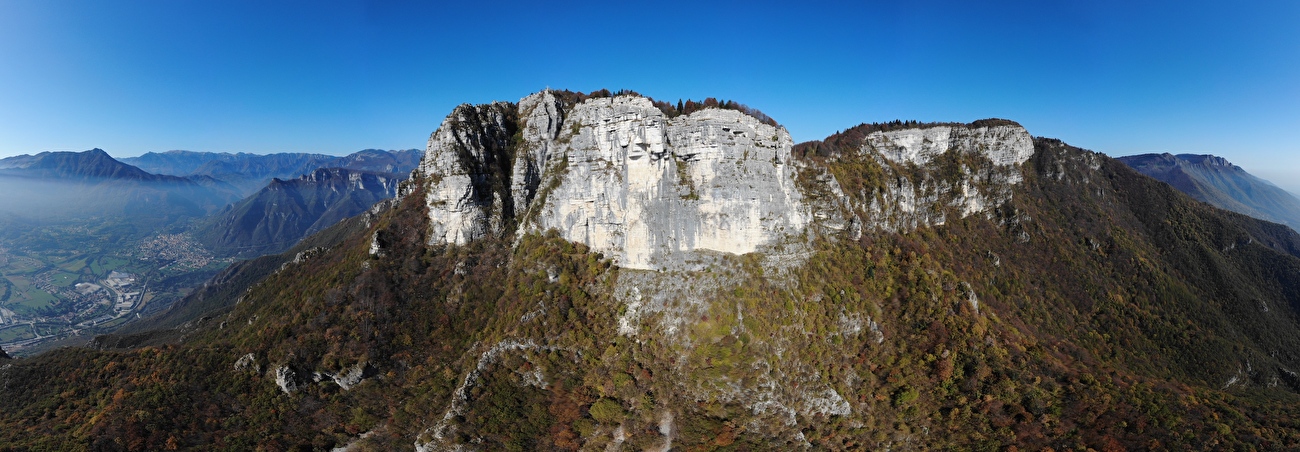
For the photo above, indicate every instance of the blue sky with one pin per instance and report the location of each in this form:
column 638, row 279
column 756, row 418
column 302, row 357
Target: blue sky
column 335, row 77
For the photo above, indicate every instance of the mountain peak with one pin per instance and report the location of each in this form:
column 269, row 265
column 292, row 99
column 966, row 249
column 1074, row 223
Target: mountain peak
column 94, row 164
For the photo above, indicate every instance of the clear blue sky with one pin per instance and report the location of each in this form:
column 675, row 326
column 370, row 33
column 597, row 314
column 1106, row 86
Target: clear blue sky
column 335, row 77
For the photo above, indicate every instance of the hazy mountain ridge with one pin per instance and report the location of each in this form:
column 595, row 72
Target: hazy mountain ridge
column 72, row 218
column 90, row 183
column 990, row 295
column 251, row 172
column 1217, row 181
column 82, row 166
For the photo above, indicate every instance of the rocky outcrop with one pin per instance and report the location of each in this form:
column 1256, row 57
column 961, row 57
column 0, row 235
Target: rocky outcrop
column 468, row 165
column 286, row 379
column 933, row 172
column 248, row 362
column 349, row 377
column 615, row 174
column 650, row 191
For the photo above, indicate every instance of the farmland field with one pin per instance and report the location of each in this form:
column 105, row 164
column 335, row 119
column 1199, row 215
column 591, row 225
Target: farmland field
column 25, row 297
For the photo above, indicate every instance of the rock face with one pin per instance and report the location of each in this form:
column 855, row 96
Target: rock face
column 617, row 175
column 980, row 185
column 934, row 171
column 464, row 160
column 1004, row 145
column 286, row 379
column 644, row 188
column 620, row 176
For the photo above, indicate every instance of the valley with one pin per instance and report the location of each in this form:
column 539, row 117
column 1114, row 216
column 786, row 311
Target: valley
column 89, row 244
column 82, row 279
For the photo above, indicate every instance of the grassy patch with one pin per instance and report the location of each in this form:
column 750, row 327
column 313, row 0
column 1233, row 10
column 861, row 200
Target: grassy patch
column 26, row 297
column 23, row 265
column 16, row 333
column 63, row 279
column 74, row 265
column 103, row 264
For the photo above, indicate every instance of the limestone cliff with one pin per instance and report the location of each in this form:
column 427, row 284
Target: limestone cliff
column 649, row 190
column 464, row 161
column 617, row 175
column 928, row 173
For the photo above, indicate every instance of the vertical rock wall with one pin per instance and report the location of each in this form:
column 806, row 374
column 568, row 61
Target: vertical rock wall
column 468, row 164
column 615, row 174
column 619, row 176
column 645, row 188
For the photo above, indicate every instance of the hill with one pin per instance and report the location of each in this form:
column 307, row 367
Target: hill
column 582, row 272
column 1218, row 182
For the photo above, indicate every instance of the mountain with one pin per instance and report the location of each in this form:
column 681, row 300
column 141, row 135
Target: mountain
column 1218, row 182
column 380, row 161
column 92, row 165
column 599, row 271
column 251, row 172
column 282, row 213
column 91, row 183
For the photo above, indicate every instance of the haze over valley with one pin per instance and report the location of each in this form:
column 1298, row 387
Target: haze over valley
column 89, row 243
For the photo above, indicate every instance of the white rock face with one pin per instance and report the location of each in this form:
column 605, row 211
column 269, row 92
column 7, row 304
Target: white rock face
column 620, row 177
column 286, row 379
column 458, row 161
column 650, row 191
column 911, row 200
column 1005, row 145
column 644, row 188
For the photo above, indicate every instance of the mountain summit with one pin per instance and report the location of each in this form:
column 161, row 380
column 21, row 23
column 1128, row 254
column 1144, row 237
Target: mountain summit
column 275, row 218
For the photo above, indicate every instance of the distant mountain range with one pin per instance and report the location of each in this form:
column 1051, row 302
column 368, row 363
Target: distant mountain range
column 251, row 172
column 1216, row 181
column 295, row 194
column 68, row 218
column 91, row 165
column 61, row 185
column 285, row 211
